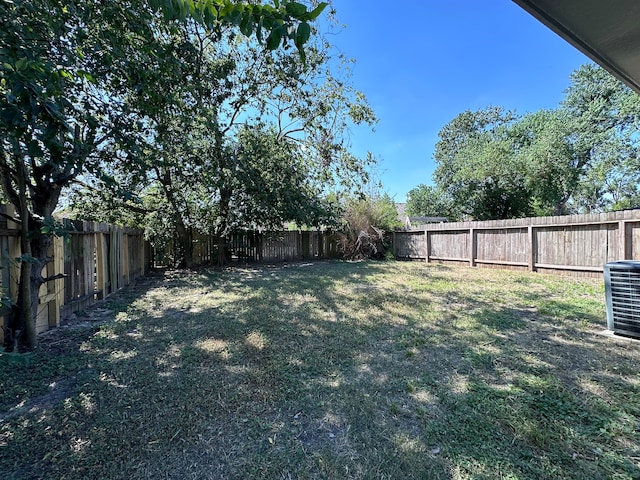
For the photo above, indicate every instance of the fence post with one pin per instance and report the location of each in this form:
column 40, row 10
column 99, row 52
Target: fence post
column 393, row 245
column 306, row 245
column 532, row 248
column 55, row 288
column 115, row 266
column 321, row 240
column 101, row 266
column 622, row 239
column 427, row 245
column 125, row 258
column 142, row 250
column 472, row 247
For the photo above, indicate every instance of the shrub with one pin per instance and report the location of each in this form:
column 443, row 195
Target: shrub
column 366, row 220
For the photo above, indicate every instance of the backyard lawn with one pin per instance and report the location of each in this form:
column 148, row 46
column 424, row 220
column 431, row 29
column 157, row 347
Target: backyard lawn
column 371, row 370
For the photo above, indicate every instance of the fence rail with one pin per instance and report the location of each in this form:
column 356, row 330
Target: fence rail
column 576, row 244
column 96, row 260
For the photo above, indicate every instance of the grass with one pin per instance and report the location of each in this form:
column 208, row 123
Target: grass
column 332, row 370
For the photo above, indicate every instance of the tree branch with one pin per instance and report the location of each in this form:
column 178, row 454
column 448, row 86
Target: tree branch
column 55, row 277
column 9, row 217
column 6, row 173
column 119, row 201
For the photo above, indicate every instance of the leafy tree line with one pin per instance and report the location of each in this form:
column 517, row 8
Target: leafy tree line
column 167, row 113
column 581, row 157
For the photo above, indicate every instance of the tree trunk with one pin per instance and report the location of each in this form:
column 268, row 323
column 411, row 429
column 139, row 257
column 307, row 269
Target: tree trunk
column 23, row 331
column 34, row 247
column 225, row 200
column 221, row 248
column 183, row 234
column 34, row 258
column 185, row 244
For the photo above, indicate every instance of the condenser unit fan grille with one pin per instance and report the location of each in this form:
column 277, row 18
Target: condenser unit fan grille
column 622, row 282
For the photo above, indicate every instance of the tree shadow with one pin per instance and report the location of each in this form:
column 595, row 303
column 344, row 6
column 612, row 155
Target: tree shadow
column 318, row 372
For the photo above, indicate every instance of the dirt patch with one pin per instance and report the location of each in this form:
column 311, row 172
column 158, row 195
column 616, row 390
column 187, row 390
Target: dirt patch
column 59, row 390
column 78, row 327
column 69, row 336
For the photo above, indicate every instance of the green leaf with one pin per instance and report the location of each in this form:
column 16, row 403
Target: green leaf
column 87, row 76
column 303, row 33
column 313, row 14
column 21, row 64
column 183, row 10
column 92, row 121
column 274, row 39
column 197, row 14
column 34, row 149
column 246, row 25
column 259, row 30
column 225, row 11
column 303, row 55
column 210, row 13
column 296, row 9
column 235, row 16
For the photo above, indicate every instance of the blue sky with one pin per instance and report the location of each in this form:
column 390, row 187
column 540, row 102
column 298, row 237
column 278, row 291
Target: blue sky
column 421, row 62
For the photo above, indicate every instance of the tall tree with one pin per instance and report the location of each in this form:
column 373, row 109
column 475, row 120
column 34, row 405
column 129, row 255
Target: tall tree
column 476, row 168
column 272, row 184
column 65, row 68
column 580, row 157
column 296, row 111
column 606, row 133
column 430, row 201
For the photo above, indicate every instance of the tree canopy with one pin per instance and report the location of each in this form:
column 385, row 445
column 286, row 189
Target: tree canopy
column 247, row 141
column 429, row 201
column 579, row 157
column 88, row 86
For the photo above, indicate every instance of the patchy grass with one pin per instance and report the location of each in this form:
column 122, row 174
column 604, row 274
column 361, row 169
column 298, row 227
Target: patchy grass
column 332, row 370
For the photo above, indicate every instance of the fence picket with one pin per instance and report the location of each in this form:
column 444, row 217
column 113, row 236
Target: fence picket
column 91, row 258
column 578, row 244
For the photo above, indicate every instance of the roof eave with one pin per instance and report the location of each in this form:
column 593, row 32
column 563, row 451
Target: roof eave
column 594, row 52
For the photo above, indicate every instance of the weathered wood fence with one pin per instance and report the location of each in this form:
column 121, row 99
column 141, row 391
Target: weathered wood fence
column 576, row 244
column 283, row 246
column 96, row 260
column 269, row 247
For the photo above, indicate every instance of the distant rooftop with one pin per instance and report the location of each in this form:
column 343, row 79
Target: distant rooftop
column 410, row 222
column 423, row 220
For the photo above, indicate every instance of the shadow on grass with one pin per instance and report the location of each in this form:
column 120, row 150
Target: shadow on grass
column 333, row 370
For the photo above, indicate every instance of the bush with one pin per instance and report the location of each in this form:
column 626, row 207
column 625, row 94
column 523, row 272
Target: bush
column 366, row 221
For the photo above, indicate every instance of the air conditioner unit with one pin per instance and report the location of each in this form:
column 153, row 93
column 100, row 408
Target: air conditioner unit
column 622, row 290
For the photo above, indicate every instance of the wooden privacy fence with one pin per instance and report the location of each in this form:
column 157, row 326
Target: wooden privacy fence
column 253, row 246
column 576, row 244
column 96, row 260
column 283, row 246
